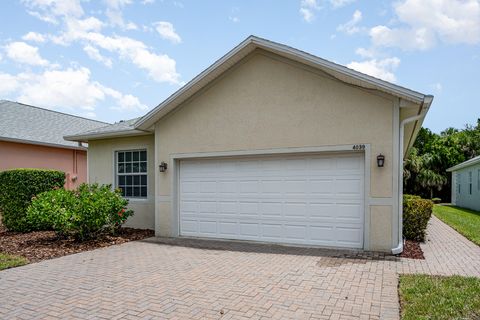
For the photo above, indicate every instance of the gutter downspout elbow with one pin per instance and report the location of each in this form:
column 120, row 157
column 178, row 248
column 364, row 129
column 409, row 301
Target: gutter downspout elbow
column 425, row 105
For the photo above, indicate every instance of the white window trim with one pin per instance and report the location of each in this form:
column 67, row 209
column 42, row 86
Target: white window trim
column 115, row 172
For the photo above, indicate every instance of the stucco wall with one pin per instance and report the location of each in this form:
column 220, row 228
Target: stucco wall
column 101, row 170
column 464, row 198
column 19, row 155
column 266, row 103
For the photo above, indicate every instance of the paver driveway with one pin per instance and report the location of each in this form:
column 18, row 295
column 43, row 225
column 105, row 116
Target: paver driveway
column 215, row 280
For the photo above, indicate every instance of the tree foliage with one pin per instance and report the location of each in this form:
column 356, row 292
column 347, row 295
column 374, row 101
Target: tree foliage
column 432, row 154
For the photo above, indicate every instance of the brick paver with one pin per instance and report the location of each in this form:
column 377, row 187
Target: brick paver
column 185, row 279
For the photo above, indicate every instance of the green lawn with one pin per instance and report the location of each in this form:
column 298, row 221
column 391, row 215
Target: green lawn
column 465, row 221
column 434, row 297
column 9, row 261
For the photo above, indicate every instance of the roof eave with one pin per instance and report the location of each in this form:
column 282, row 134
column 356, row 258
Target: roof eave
column 44, row 144
column 464, row 164
column 149, row 119
column 107, row 135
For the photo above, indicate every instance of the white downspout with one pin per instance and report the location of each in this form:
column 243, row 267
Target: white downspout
column 425, row 105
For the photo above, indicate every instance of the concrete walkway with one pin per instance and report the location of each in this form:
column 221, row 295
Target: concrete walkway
column 185, row 279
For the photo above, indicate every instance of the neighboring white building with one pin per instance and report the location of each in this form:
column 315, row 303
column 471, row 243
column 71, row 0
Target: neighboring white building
column 466, row 184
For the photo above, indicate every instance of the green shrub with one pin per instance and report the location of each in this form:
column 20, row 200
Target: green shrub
column 416, row 214
column 81, row 214
column 17, row 187
column 436, row 200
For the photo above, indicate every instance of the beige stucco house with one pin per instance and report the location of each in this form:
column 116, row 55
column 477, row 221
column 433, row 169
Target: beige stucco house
column 268, row 144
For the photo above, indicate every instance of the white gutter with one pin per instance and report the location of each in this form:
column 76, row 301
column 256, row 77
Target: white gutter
column 425, row 105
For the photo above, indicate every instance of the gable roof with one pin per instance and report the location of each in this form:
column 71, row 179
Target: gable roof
column 340, row 72
column 28, row 124
column 119, row 129
column 465, row 164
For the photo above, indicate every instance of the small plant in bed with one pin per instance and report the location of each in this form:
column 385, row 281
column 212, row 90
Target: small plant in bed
column 82, row 214
column 416, row 214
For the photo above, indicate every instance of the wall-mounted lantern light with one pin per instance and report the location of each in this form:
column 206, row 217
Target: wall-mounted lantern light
column 380, row 160
column 162, row 167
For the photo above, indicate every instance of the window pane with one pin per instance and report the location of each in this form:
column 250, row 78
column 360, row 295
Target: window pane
column 128, row 167
column 143, row 155
column 136, row 180
column 143, row 191
column 143, row 167
column 136, row 191
column 143, row 180
column 121, row 168
column 121, row 180
column 122, row 189
column 129, row 191
column 128, row 156
column 121, row 157
column 136, row 155
column 129, row 180
column 135, row 167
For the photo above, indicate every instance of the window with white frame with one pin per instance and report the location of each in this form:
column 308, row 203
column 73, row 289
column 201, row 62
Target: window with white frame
column 131, row 173
column 470, row 179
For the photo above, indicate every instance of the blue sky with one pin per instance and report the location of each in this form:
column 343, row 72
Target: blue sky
column 116, row 59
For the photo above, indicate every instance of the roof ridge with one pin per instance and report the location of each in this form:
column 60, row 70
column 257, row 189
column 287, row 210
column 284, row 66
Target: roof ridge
column 54, row 111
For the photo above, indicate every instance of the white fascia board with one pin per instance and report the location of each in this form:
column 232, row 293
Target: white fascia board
column 465, row 164
column 44, row 144
column 104, row 135
column 149, row 119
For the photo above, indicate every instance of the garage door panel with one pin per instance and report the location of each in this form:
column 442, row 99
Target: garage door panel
column 228, row 228
column 302, row 199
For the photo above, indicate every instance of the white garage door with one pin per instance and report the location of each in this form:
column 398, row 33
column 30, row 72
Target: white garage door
column 302, row 199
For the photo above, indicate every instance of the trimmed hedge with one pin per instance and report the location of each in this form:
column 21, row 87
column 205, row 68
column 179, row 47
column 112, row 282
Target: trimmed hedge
column 18, row 187
column 416, row 214
column 82, row 214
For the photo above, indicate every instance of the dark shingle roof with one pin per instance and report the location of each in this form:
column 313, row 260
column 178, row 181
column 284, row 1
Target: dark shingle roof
column 122, row 128
column 24, row 123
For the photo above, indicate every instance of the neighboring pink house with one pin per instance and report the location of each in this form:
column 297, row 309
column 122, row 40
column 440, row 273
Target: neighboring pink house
column 32, row 137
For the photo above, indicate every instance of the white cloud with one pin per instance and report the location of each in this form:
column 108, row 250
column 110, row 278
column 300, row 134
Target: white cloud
column 24, row 53
column 437, row 87
column 366, row 53
column 178, row 4
column 379, row 68
column 234, row 19
column 340, row 3
column 48, row 10
column 94, row 54
column 87, row 31
column 351, row 26
column 8, row 83
column 167, row 31
column 426, row 22
column 34, row 36
column 125, row 102
column 148, row 1
column 69, row 88
column 115, row 15
column 407, row 39
column 160, row 67
column 308, row 8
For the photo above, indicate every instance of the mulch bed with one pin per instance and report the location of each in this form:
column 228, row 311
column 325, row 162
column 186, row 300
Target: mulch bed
column 42, row 245
column 412, row 250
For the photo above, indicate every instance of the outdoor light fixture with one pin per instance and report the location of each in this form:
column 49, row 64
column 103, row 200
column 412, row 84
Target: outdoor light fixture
column 380, row 160
column 162, row 167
